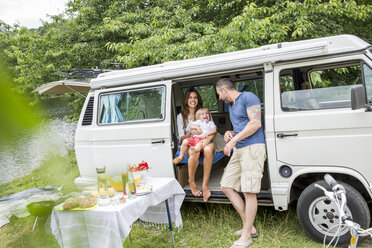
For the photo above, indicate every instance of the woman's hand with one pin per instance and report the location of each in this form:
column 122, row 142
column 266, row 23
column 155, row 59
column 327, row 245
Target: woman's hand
column 196, row 131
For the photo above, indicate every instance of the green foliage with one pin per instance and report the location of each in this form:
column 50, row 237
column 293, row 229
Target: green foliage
column 157, row 36
column 16, row 115
column 139, row 33
column 336, row 77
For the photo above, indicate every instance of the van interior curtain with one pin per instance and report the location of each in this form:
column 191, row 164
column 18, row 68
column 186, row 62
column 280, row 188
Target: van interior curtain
column 111, row 110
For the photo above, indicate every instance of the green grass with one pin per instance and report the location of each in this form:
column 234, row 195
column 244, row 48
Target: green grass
column 213, row 225
column 204, row 225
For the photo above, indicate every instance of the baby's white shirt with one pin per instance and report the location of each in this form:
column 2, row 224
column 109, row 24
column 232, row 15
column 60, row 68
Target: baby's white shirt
column 204, row 126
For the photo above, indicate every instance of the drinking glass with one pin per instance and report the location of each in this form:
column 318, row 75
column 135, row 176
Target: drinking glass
column 131, row 185
column 124, row 179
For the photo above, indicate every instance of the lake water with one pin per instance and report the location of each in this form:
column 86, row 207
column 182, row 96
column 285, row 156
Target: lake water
column 54, row 136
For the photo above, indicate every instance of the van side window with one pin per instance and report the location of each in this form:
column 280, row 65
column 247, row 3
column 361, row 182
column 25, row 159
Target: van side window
column 287, row 94
column 142, row 104
column 208, row 95
column 315, row 88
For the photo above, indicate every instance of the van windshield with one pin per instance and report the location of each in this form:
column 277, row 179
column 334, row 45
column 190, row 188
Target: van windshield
column 134, row 105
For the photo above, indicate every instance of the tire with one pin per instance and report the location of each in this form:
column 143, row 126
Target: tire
column 317, row 214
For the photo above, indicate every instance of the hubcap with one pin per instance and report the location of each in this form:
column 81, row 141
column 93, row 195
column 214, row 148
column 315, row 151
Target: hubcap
column 324, row 216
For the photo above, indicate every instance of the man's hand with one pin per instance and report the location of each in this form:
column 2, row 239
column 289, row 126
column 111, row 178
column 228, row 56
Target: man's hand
column 230, row 143
column 228, row 135
column 228, row 147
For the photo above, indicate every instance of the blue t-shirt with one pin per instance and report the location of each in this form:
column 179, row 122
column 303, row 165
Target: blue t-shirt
column 239, row 118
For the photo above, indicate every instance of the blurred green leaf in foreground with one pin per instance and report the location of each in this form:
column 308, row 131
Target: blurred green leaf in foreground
column 16, row 115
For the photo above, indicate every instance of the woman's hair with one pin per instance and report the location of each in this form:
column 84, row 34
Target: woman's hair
column 185, row 106
column 202, row 111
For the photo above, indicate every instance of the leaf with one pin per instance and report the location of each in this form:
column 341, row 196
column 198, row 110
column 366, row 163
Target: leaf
column 16, row 114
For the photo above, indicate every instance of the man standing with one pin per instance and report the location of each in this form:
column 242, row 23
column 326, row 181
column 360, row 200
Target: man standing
column 244, row 170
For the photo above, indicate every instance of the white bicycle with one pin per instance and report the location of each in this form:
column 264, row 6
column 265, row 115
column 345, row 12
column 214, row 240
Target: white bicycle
column 338, row 196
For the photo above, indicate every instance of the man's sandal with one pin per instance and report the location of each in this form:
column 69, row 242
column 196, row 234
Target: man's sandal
column 243, row 244
column 239, row 233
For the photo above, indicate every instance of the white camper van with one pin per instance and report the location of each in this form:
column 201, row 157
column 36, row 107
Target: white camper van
column 315, row 98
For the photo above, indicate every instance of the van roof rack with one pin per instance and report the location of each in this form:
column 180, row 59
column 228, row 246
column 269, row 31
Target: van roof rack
column 70, row 73
column 79, row 73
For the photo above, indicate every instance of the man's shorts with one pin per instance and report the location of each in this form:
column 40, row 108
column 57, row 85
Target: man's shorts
column 244, row 170
column 194, row 140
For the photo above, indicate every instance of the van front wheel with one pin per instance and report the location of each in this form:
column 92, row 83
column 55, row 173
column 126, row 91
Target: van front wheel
column 319, row 216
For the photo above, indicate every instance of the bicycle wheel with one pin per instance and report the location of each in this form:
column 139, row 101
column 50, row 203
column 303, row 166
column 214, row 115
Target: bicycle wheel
column 317, row 214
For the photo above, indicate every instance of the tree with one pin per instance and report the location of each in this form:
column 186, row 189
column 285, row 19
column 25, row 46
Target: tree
column 144, row 32
column 157, row 35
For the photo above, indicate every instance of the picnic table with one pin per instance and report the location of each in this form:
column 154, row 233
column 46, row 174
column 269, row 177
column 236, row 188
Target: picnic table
column 110, row 225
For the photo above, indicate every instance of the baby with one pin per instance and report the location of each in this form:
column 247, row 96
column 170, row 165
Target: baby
column 199, row 141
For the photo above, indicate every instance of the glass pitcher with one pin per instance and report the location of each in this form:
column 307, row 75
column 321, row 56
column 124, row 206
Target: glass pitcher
column 103, row 194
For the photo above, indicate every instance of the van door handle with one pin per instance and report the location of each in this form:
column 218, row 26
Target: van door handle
column 158, row 142
column 283, row 135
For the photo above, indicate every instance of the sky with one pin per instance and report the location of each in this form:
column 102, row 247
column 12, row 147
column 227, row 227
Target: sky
column 28, row 13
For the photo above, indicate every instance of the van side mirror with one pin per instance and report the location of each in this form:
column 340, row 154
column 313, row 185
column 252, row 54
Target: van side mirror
column 358, row 97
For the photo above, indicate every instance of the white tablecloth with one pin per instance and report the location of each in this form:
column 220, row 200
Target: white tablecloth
column 108, row 226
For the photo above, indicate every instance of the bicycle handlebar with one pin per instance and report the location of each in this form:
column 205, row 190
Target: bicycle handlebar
column 338, row 196
column 330, row 180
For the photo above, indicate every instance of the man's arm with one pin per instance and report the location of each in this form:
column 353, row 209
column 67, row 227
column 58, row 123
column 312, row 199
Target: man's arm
column 254, row 115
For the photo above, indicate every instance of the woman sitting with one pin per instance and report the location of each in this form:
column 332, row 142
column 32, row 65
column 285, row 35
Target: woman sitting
column 190, row 104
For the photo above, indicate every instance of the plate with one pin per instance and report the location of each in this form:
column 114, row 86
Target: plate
column 77, row 208
column 144, row 190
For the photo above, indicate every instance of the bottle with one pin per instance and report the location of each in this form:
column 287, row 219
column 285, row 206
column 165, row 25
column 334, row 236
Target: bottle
column 103, row 194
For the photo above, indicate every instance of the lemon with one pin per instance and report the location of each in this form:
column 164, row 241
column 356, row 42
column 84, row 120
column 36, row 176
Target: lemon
column 111, row 191
column 102, row 192
column 118, row 186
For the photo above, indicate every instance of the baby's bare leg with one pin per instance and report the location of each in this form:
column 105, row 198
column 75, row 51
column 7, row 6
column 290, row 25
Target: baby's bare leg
column 199, row 146
column 184, row 145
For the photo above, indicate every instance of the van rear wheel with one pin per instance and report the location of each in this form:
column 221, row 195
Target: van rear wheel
column 319, row 216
